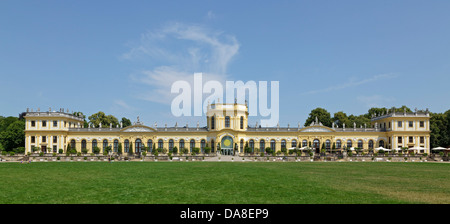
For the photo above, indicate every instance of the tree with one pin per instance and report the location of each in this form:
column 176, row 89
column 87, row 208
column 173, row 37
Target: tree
column 80, row 114
column 126, row 122
column 340, row 118
column 13, row 136
column 439, row 135
column 131, row 148
column 6, row 121
column 119, row 149
column 322, row 115
column 101, row 118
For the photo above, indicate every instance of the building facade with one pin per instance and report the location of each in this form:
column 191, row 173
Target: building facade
column 227, row 128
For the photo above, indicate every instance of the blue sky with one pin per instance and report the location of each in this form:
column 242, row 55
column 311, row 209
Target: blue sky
column 120, row 57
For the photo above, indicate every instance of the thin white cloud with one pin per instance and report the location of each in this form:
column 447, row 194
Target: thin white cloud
column 210, row 15
column 176, row 52
column 353, row 83
column 375, row 100
column 123, row 104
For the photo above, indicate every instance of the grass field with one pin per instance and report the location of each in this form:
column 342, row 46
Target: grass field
column 224, row 183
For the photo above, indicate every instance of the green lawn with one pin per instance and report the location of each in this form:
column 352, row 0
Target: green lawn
column 224, row 182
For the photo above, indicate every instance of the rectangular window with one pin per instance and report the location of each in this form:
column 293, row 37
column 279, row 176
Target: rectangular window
column 33, row 139
column 399, row 124
column 422, row 124
column 33, row 123
column 44, row 123
column 400, row 140
column 422, row 140
column 411, row 124
column 411, row 139
column 44, row 139
column 55, row 123
column 55, row 139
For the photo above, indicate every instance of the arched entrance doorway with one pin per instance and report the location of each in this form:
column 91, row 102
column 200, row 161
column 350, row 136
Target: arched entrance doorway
column 138, row 145
column 227, row 145
column 316, row 145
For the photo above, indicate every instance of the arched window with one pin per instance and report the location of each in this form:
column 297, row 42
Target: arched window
column 381, row 143
column 272, row 144
column 116, row 145
column 212, row 145
column 227, row 121
column 150, row 145
column 338, row 144
column 349, row 143
column 171, row 145
column 127, row 146
column 72, row 144
column 160, row 144
column 192, row 144
column 283, row 144
column 360, row 144
column 181, row 143
column 294, row 143
column 203, row 145
column 105, row 144
column 252, row 145
column 262, row 145
column 371, row 144
column 304, row 143
column 94, row 143
column 242, row 122
column 212, row 122
column 83, row 144
column 328, row 144
column 138, row 145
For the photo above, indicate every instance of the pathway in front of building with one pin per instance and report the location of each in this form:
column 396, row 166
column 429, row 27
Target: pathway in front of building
column 223, row 158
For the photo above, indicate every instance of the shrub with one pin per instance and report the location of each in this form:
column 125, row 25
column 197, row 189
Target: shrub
column 41, row 154
column 11, row 153
column 85, row 158
column 175, row 150
column 207, row 150
column 60, row 151
column 78, row 153
column 196, row 150
column 58, row 158
column 54, row 154
column 4, row 153
column 144, row 153
column 20, row 150
column 84, row 150
column 96, row 150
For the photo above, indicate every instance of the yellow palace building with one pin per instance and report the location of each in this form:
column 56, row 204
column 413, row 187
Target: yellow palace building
column 227, row 128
